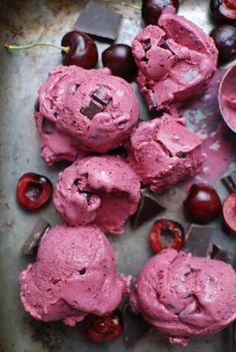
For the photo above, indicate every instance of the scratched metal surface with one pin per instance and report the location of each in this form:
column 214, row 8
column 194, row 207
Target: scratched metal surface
column 21, row 73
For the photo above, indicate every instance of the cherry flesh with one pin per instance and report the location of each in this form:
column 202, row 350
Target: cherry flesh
column 83, row 50
column 229, row 212
column 166, row 234
column 224, row 10
column 153, row 9
column 119, row 59
column 225, row 41
column 33, row 191
column 202, row 204
column 104, row 329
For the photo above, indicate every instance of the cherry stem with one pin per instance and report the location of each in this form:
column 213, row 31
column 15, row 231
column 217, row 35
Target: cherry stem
column 29, row 46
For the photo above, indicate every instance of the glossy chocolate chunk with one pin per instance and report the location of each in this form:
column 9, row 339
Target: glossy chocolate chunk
column 220, row 253
column 134, row 325
column 230, row 182
column 101, row 96
column 98, row 20
column 198, row 240
column 148, row 208
column 34, row 238
column 92, row 109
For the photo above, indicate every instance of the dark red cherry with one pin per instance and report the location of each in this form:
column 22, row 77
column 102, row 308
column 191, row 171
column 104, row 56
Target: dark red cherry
column 119, row 59
column 82, row 50
column 229, row 212
column 33, row 191
column 202, row 203
column 104, row 329
column 224, row 10
column 153, row 9
column 225, row 41
column 166, row 234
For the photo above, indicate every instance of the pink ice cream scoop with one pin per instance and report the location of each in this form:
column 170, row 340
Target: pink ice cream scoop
column 83, row 111
column 176, row 61
column 227, row 98
column 163, row 152
column 103, row 190
column 185, row 296
column 74, row 275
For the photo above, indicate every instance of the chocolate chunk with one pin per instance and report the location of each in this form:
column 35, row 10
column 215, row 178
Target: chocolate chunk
column 146, row 44
column 198, row 240
column 92, row 109
column 151, row 101
column 34, row 238
column 148, row 208
column 219, row 253
column 99, row 21
column 101, row 96
column 230, row 182
column 135, row 326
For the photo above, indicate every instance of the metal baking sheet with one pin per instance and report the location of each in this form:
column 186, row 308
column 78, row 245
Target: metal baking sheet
column 21, row 73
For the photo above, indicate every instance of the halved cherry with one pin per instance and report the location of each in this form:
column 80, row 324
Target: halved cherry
column 33, row 191
column 229, row 211
column 166, row 234
column 104, row 329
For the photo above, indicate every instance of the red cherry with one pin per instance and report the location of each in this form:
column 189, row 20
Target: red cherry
column 104, row 329
column 202, row 203
column 166, row 234
column 229, row 211
column 224, row 10
column 33, row 191
column 83, row 50
column 153, row 9
column 225, row 41
column 119, row 59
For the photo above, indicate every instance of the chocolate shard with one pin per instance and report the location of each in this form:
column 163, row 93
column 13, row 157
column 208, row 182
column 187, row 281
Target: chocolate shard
column 220, row 253
column 146, row 44
column 148, row 208
column 198, row 240
column 230, row 182
column 151, row 101
column 98, row 20
column 135, row 327
column 101, row 96
column 92, row 109
column 34, row 238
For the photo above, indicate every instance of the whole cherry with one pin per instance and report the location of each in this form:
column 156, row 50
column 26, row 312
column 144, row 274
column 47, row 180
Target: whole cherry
column 33, row 191
column 202, row 204
column 225, row 41
column 104, row 329
column 224, row 10
column 153, row 9
column 77, row 49
column 119, row 59
column 166, row 234
column 229, row 212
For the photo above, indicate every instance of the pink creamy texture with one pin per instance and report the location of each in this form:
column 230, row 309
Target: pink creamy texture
column 227, row 98
column 185, row 296
column 176, row 60
column 103, row 190
column 164, row 152
column 64, row 128
column 74, row 275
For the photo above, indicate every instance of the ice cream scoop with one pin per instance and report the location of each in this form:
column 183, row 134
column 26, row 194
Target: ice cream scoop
column 83, row 111
column 74, row 275
column 227, row 98
column 185, row 296
column 163, row 152
column 176, row 61
column 103, row 190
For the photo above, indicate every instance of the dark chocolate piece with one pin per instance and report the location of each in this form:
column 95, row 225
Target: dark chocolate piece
column 146, row 44
column 219, row 253
column 135, row 326
column 198, row 240
column 34, row 238
column 230, row 182
column 92, row 109
column 98, row 20
column 101, row 96
column 148, row 208
column 151, row 101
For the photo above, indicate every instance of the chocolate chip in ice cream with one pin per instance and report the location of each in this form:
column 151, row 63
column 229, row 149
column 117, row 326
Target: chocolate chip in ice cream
column 92, row 109
column 102, row 96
